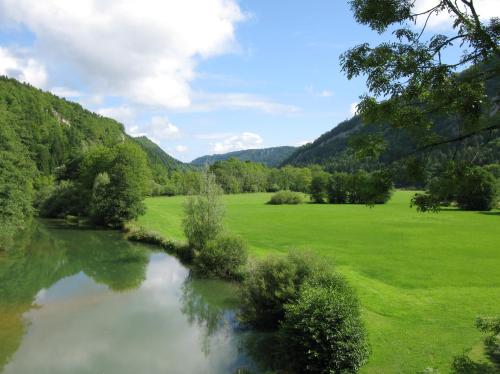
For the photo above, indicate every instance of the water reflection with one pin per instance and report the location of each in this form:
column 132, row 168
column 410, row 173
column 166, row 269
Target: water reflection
column 88, row 302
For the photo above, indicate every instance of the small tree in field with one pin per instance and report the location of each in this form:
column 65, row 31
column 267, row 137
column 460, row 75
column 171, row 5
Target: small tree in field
column 203, row 213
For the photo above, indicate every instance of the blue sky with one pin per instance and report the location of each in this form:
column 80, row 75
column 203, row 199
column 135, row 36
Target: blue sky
column 197, row 79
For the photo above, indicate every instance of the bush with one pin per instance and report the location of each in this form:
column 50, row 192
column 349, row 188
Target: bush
column 425, row 202
column 222, row 257
column 286, row 197
column 477, row 190
column 270, row 284
column 323, row 331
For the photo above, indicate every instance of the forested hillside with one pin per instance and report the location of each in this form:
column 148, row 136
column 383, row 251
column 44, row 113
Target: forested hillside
column 270, row 157
column 333, row 149
column 161, row 162
column 43, row 140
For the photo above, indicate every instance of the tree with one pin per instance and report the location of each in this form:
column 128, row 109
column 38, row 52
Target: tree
column 417, row 79
column 203, row 213
column 319, row 186
column 476, row 189
column 338, row 188
column 120, row 181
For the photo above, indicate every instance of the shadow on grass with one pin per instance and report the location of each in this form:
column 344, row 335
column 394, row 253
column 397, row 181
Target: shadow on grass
column 490, row 213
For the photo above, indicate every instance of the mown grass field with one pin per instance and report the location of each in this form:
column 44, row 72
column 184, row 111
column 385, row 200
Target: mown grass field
column 422, row 278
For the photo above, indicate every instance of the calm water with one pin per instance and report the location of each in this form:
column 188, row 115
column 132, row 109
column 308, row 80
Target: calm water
column 84, row 301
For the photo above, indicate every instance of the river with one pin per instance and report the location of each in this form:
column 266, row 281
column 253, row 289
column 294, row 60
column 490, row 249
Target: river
column 88, row 301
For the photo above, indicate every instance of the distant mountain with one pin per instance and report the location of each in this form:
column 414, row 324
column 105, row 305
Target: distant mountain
column 157, row 157
column 332, row 148
column 271, row 157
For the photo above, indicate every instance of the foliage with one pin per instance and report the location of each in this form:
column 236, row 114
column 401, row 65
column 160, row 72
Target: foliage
column 222, row 257
column 412, row 74
column 270, row 284
column 425, row 202
column 473, row 188
column 203, row 213
column 286, row 197
column 338, row 188
column 43, row 142
column 360, row 188
column 476, row 190
column 319, row 185
column 323, row 330
column 464, row 365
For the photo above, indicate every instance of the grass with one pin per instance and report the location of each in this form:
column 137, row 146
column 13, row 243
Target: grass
column 422, row 278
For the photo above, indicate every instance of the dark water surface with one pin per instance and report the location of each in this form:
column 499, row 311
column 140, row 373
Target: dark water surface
column 86, row 301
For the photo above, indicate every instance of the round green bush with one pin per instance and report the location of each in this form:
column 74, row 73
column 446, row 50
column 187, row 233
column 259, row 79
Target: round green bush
column 323, row 331
column 221, row 257
column 286, row 197
column 270, row 284
column 477, row 190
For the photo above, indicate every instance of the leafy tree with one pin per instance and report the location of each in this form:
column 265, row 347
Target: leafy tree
column 120, row 181
column 319, row 186
column 417, row 78
column 476, row 190
column 323, row 330
column 338, row 192
column 203, row 213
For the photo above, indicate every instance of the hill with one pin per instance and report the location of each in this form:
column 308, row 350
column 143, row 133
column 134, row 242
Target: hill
column 332, row 148
column 42, row 139
column 53, row 130
column 270, row 157
column 159, row 160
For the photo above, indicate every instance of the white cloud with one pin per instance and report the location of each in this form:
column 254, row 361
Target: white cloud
column 65, row 92
column 146, row 50
column 353, row 109
column 323, row 93
column 246, row 140
column 161, row 128
column 24, row 69
column 205, row 102
column 123, row 114
column 181, row 149
column 486, row 9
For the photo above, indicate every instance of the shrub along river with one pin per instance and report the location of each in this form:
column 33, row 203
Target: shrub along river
column 88, row 301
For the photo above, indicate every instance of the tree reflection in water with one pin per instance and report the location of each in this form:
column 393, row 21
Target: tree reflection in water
column 43, row 254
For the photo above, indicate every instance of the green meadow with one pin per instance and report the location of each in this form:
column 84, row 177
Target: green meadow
column 422, row 278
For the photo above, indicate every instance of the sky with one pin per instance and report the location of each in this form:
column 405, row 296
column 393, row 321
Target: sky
column 196, row 76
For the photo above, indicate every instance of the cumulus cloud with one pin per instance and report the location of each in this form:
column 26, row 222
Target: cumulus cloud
column 66, row 92
column 486, row 9
column 24, row 69
column 181, row 149
column 246, row 140
column 146, row 50
column 161, row 128
column 123, row 114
